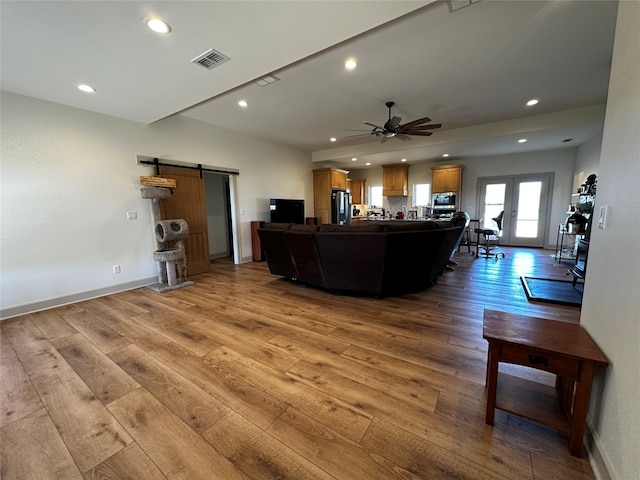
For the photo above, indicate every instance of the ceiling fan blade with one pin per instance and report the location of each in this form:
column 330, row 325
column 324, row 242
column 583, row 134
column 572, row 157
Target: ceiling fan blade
column 403, row 137
column 384, row 139
column 392, row 123
column 416, row 122
column 355, row 130
column 371, row 125
column 419, row 129
column 424, row 134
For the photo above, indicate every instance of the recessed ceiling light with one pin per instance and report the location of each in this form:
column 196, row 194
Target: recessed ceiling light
column 532, row 102
column 83, row 87
column 332, row 139
column 368, row 163
column 157, row 25
column 354, row 159
column 243, row 103
column 403, row 160
column 350, row 64
column 445, row 155
column 522, row 140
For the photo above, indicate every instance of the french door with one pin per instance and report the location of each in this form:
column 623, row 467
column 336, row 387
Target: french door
column 525, row 202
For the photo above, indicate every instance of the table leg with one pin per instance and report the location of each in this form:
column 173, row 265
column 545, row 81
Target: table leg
column 492, row 380
column 580, row 408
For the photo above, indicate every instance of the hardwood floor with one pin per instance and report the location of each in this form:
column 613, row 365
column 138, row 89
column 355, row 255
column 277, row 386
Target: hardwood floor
column 246, row 375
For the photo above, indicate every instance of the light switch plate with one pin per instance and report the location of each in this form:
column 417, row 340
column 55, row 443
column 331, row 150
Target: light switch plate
column 602, row 221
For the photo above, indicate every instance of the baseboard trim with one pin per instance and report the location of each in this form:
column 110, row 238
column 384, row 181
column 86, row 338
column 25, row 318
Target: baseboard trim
column 597, row 455
column 78, row 297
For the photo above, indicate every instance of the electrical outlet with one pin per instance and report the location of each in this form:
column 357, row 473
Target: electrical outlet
column 116, row 269
column 132, row 215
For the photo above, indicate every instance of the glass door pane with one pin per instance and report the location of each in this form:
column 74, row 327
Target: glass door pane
column 494, row 199
column 528, row 210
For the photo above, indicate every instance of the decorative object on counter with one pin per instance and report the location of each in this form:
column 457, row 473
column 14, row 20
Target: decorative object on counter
column 171, row 261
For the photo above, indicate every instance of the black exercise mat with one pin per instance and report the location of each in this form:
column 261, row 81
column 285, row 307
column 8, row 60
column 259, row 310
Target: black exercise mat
column 553, row 291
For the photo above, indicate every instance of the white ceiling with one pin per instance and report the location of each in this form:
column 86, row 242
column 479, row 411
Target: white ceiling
column 469, row 66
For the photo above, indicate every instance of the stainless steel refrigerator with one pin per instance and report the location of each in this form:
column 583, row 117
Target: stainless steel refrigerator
column 341, row 207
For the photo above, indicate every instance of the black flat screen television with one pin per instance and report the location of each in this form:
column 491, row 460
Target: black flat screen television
column 285, row 210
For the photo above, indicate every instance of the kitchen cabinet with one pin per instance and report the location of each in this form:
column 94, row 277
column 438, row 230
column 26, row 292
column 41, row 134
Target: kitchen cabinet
column 395, row 180
column 357, row 191
column 446, row 179
column 324, row 181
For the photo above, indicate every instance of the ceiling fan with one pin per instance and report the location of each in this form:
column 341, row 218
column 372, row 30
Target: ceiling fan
column 392, row 128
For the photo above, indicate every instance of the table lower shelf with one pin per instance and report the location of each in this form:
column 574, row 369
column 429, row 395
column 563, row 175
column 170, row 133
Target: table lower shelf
column 531, row 400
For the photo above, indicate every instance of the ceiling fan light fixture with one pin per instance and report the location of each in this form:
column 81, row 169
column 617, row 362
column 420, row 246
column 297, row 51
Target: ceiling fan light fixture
column 157, row 25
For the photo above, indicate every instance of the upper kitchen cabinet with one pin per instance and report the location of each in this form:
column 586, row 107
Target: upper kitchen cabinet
column 357, row 190
column 395, row 180
column 446, row 179
column 338, row 179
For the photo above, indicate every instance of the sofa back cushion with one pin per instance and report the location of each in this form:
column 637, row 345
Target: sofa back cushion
column 410, row 226
column 330, row 227
column 277, row 226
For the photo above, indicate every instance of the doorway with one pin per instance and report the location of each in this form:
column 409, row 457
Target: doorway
column 206, row 200
column 525, row 200
column 219, row 225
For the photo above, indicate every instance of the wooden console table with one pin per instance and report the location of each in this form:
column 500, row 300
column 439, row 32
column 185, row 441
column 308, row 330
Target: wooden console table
column 564, row 349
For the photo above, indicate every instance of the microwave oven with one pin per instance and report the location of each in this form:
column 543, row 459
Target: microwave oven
column 444, row 201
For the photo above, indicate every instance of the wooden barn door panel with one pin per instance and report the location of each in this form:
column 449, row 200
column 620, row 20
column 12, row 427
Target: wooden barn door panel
column 188, row 202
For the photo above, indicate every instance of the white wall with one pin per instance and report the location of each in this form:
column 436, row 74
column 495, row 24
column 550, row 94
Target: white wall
column 611, row 307
column 69, row 177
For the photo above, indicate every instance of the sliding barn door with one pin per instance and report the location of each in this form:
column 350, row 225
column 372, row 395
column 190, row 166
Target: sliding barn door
column 188, row 203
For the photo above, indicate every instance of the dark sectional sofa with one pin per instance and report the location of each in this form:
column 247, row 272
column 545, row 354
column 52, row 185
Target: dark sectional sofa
column 376, row 258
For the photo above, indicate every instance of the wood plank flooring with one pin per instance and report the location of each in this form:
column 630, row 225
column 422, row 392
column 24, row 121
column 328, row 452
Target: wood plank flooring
column 246, row 375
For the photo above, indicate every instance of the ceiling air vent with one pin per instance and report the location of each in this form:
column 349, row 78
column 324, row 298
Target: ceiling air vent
column 210, row 59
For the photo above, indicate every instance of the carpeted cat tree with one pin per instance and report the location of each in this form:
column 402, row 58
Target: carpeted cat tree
column 172, row 261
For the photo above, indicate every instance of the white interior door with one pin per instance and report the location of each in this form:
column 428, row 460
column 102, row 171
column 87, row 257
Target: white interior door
column 525, row 201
